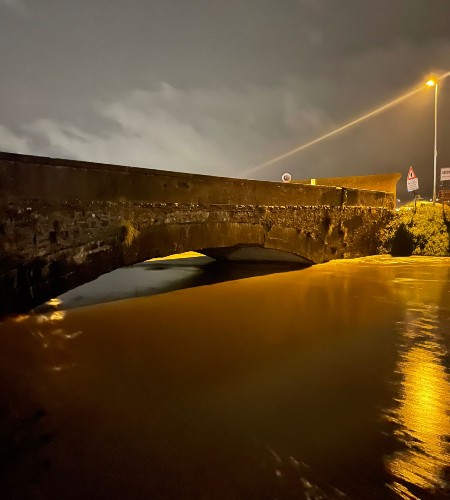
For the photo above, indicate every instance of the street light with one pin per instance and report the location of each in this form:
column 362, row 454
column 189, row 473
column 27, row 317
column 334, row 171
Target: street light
column 433, row 83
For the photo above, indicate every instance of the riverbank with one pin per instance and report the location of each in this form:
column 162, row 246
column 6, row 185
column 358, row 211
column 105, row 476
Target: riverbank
column 420, row 228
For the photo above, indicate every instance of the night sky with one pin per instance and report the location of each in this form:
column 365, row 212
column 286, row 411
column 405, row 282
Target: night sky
column 217, row 87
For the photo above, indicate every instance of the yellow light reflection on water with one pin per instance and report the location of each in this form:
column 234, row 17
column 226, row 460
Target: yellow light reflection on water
column 422, row 414
column 55, row 302
column 184, row 255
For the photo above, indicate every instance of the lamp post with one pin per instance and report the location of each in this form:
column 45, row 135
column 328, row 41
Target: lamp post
column 433, row 83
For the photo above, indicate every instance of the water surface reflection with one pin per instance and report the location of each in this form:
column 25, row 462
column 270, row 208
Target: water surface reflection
column 421, row 416
column 164, row 275
column 327, row 382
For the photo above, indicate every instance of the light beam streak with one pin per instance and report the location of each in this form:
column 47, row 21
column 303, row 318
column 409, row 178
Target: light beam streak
column 340, row 129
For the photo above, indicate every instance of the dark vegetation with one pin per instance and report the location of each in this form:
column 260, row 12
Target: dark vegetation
column 422, row 229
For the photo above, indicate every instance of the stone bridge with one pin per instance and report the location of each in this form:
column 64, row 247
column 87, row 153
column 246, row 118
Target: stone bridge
column 63, row 223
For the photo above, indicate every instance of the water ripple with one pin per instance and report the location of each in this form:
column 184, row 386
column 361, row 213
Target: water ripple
column 421, row 417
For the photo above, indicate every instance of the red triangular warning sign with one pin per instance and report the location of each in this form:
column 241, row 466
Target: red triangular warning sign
column 411, row 174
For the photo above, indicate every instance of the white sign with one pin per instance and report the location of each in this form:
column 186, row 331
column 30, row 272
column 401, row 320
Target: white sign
column 286, row 177
column 412, row 182
column 445, row 174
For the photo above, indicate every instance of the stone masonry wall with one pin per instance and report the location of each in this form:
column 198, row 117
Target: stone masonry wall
column 50, row 244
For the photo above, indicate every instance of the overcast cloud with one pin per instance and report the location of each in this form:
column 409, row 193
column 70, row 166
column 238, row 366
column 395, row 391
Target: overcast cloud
column 218, row 87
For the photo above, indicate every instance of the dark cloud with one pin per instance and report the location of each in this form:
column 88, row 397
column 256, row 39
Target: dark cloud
column 218, row 87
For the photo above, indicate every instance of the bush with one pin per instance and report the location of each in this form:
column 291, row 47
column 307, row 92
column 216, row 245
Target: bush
column 420, row 230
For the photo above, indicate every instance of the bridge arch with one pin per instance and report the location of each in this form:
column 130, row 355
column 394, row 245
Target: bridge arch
column 68, row 222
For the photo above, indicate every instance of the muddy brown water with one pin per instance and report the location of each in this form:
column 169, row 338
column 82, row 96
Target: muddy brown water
column 326, row 382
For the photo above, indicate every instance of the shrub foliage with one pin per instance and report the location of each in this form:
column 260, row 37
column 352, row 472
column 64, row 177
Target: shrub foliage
column 420, row 230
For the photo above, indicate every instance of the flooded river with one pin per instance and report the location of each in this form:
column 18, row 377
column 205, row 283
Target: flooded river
column 325, row 382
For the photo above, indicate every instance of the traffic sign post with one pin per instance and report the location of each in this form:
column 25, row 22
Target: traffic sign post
column 444, row 192
column 412, row 183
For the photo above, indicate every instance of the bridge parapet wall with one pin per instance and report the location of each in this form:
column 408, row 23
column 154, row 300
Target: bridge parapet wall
column 32, row 177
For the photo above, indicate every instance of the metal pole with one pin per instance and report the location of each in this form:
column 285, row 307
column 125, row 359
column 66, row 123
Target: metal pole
column 435, row 141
